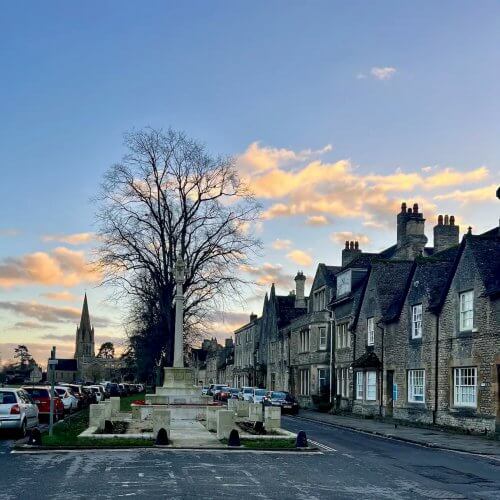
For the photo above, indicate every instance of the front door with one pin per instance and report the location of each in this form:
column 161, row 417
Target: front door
column 389, row 393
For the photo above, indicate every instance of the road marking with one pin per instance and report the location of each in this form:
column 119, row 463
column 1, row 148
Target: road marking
column 322, row 446
column 347, row 455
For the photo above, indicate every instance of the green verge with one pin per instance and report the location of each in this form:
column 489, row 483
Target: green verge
column 126, row 401
column 66, row 433
column 266, row 444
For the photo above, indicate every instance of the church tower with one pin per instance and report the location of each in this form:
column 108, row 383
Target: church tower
column 85, row 348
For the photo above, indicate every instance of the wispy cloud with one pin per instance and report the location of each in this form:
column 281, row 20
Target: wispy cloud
column 317, row 220
column 342, row 236
column 70, row 239
column 9, row 232
column 383, row 73
column 62, row 296
column 281, row 244
column 300, row 257
column 483, row 194
column 60, row 266
column 30, row 325
column 50, row 314
column 268, row 273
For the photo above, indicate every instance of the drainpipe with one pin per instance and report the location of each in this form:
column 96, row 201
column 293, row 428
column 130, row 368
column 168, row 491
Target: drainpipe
column 381, row 383
column 436, row 374
column 331, row 357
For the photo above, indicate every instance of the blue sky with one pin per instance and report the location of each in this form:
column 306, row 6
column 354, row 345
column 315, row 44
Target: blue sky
column 393, row 87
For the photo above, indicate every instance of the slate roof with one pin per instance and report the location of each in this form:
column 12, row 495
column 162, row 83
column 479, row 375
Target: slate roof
column 486, row 251
column 329, row 273
column 67, row 365
column 286, row 310
column 391, row 279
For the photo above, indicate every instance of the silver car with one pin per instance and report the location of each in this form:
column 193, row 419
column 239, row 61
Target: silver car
column 258, row 395
column 18, row 412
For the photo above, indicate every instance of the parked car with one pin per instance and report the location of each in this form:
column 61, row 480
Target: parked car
column 98, row 391
column 246, row 393
column 113, row 390
column 18, row 412
column 69, row 400
column 204, row 390
column 41, row 397
column 217, row 389
column 283, row 399
column 258, row 395
column 233, row 393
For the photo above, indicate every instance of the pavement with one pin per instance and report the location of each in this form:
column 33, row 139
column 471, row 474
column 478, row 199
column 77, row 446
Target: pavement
column 433, row 438
column 351, row 465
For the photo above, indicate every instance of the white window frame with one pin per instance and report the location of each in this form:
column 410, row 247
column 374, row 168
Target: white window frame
column 416, row 321
column 466, row 300
column 304, row 377
column 370, row 329
column 360, row 383
column 343, row 336
column 416, row 386
column 322, row 376
column 465, row 392
column 305, row 341
column 322, row 338
column 371, row 386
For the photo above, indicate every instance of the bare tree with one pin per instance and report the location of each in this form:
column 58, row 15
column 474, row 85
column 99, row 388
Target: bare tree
column 170, row 197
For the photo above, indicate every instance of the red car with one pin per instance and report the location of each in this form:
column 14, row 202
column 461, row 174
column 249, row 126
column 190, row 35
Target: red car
column 41, row 397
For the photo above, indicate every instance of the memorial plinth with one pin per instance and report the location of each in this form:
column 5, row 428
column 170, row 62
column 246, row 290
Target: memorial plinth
column 178, row 388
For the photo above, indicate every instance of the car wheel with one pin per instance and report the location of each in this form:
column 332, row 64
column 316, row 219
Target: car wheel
column 22, row 430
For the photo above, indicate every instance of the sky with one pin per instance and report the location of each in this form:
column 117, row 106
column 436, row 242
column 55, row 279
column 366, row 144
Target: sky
column 335, row 111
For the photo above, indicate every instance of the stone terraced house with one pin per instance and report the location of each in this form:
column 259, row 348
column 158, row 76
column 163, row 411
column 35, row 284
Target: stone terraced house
column 411, row 333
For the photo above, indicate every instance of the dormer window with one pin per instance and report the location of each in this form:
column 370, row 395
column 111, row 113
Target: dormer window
column 344, row 283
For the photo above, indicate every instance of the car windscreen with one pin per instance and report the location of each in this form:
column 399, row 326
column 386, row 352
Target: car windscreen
column 278, row 395
column 37, row 393
column 7, row 398
column 234, row 391
column 61, row 392
column 247, row 391
column 260, row 392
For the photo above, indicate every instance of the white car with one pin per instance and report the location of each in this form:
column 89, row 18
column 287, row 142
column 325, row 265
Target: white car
column 70, row 401
column 204, row 390
column 246, row 393
column 98, row 390
column 258, row 395
column 18, row 412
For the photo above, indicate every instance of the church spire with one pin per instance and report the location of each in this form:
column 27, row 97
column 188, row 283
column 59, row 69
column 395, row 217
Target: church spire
column 85, row 320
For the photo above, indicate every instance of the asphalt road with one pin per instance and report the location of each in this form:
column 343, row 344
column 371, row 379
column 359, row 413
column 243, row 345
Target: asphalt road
column 351, row 465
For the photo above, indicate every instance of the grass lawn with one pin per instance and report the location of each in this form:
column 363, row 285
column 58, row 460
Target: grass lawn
column 126, row 401
column 265, row 444
column 66, row 433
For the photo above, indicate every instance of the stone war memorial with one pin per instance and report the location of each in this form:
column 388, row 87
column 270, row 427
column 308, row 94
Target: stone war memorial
column 177, row 414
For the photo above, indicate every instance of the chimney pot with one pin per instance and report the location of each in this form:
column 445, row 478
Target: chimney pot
column 452, row 220
column 440, row 220
column 356, row 245
column 446, row 220
column 415, row 208
column 409, row 210
column 347, row 245
column 403, row 206
column 351, row 245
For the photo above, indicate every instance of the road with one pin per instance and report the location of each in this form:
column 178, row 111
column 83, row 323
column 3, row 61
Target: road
column 351, row 465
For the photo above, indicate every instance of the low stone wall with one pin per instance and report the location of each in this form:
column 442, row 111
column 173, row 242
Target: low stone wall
column 97, row 416
column 256, row 412
column 272, row 417
column 242, row 408
column 211, row 417
column 225, row 423
column 161, row 420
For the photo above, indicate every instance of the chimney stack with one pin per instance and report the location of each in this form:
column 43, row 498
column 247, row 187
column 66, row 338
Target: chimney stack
column 300, row 281
column 446, row 234
column 253, row 317
column 350, row 252
column 410, row 233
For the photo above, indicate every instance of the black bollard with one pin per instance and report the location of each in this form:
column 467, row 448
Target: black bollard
column 234, row 438
column 258, row 427
column 301, row 441
column 162, row 437
column 108, row 427
column 35, row 437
